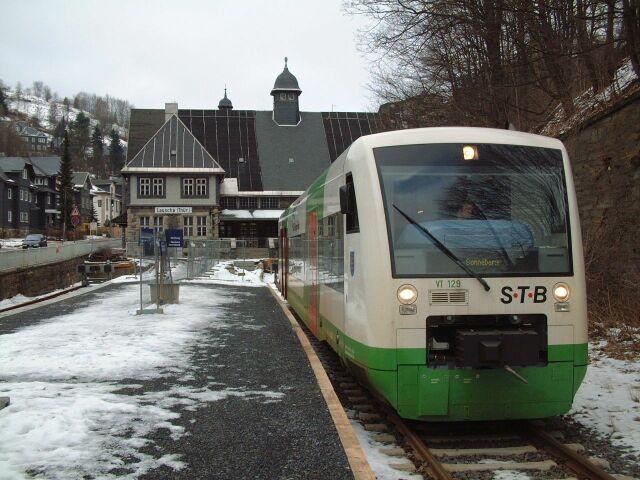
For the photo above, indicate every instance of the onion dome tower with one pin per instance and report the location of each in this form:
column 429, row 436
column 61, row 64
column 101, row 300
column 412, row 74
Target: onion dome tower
column 285, row 92
column 225, row 103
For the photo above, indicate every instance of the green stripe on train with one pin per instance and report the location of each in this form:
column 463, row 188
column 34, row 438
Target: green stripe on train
column 421, row 392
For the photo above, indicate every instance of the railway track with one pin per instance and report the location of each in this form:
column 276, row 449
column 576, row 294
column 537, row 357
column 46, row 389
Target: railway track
column 452, row 451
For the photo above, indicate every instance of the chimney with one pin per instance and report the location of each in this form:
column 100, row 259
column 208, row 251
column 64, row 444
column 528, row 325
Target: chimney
column 170, row 109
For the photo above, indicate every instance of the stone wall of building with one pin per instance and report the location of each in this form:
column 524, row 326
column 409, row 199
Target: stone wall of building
column 34, row 281
column 605, row 155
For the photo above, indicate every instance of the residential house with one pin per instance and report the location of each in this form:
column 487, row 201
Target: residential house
column 107, row 199
column 82, row 195
column 23, row 202
column 35, row 140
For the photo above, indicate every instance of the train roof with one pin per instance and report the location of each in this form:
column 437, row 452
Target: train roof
column 456, row 135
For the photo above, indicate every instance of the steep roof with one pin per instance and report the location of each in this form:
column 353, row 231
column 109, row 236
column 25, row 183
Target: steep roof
column 80, row 178
column 263, row 146
column 49, row 166
column 225, row 102
column 3, row 176
column 286, row 81
column 13, row 164
column 291, row 158
column 173, row 146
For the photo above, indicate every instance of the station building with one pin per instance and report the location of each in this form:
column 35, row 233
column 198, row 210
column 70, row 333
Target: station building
column 227, row 173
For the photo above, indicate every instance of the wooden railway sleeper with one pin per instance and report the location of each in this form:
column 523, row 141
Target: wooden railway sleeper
column 580, row 465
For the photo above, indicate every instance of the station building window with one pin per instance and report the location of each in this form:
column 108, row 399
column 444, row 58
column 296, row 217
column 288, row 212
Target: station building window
column 145, row 187
column 248, row 203
column 187, row 187
column 201, row 226
column 144, row 221
column 187, row 226
column 228, row 202
column 10, row 193
column 158, row 187
column 158, row 223
column 201, row 187
column 270, row 202
column 10, row 216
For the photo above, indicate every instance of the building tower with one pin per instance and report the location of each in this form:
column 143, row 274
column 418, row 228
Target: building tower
column 286, row 109
column 225, row 103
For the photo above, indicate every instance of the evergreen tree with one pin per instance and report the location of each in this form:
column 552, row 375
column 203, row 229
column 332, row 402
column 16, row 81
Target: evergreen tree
column 18, row 90
column 4, row 107
column 93, row 215
column 116, row 153
column 80, row 138
column 67, row 108
column 97, row 145
column 65, row 178
column 53, row 114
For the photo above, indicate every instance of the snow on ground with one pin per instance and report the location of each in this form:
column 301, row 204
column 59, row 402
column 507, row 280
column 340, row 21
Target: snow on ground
column 18, row 299
column 226, row 273
column 588, row 102
column 68, row 418
column 34, row 106
column 608, row 401
column 11, row 242
column 379, row 461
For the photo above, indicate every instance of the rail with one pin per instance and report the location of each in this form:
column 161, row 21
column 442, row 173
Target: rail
column 33, row 257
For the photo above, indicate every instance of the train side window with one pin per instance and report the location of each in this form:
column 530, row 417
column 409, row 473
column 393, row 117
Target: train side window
column 348, row 205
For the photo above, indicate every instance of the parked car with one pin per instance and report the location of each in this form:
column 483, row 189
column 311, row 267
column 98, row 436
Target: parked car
column 34, row 240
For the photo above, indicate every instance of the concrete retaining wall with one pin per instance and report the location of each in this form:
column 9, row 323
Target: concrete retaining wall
column 20, row 259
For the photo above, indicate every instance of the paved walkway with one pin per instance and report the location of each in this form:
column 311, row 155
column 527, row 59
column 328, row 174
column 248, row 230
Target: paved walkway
column 218, row 387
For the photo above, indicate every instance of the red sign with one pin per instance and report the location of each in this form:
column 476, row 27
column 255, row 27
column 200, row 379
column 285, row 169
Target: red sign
column 75, row 217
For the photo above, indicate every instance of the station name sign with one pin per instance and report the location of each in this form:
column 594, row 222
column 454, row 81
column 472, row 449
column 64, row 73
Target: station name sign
column 174, row 210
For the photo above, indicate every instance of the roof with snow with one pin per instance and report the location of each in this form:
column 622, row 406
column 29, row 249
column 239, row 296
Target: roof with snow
column 49, row 166
column 25, row 130
column 80, row 179
column 173, row 146
column 3, row 176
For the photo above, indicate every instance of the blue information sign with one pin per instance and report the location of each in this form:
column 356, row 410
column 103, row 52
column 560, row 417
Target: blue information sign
column 174, row 237
column 146, row 235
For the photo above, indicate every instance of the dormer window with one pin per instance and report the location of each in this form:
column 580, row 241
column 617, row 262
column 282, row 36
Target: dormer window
column 25, row 175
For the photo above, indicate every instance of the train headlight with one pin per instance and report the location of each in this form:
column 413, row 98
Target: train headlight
column 561, row 292
column 407, row 294
column 469, row 152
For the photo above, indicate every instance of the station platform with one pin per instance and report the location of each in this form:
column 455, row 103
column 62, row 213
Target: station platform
column 217, row 387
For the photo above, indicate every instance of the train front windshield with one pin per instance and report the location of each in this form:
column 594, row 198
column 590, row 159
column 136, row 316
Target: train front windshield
column 501, row 210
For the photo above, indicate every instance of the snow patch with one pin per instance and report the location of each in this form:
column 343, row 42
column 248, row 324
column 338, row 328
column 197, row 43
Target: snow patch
column 226, row 273
column 380, row 463
column 70, row 418
column 608, row 401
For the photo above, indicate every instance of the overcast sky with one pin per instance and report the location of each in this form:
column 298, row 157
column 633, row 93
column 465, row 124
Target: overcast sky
column 149, row 52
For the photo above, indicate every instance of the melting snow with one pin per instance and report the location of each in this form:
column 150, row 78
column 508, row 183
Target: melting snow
column 380, row 462
column 226, row 273
column 608, row 401
column 67, row 418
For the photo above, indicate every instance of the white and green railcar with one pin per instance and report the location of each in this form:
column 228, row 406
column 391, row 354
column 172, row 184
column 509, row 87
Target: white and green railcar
column 445, row 267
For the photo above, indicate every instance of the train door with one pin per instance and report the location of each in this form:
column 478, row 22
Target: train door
column 312, row 228
column 283, row 267
column 354, row 296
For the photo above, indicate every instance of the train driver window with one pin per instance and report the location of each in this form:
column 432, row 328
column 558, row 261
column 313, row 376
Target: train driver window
column 348, row 205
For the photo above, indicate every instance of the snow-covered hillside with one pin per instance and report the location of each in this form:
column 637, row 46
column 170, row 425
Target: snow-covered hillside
column 33, row 106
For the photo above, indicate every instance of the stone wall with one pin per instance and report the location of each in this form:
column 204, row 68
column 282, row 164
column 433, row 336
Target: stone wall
column 605, row 155
column 35, row 281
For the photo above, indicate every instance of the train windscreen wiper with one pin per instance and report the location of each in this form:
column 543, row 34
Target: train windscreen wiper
column 444, row 249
